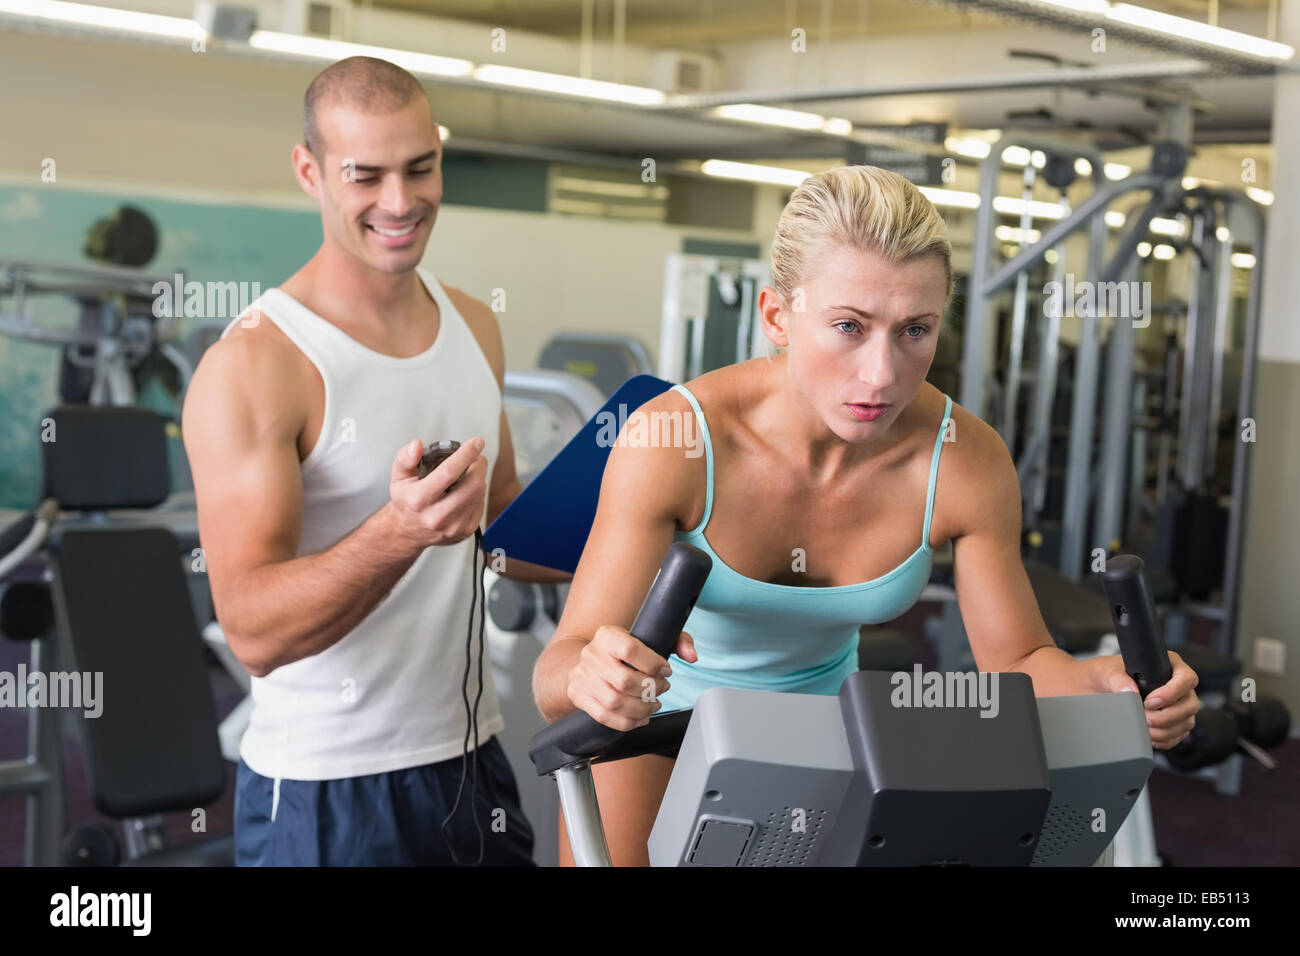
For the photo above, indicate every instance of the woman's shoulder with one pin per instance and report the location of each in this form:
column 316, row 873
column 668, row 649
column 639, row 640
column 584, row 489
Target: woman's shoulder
column 658, row 461
column 708, row 391
column 720, row 393
column 664, row 448
column 966, row 434
column 972, row 457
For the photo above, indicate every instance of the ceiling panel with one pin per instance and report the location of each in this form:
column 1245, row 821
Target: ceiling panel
column 693, row 24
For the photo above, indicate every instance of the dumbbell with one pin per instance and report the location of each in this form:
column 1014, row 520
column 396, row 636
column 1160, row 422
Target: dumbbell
column 1212, row 740
column 1262, row 725
column 26, row 611
column 1252, row 727
column 91, row 844
column 513, row 605
column 1265, row 722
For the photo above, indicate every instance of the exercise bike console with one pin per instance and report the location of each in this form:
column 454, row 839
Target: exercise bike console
column 883, row 774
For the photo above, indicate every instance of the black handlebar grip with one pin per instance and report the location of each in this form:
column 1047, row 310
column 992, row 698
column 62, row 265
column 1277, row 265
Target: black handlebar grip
column 672, row 594
column 1136, row 626
column 658, row 624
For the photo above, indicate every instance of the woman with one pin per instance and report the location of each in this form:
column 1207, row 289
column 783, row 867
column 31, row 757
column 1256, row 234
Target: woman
column 830, row 474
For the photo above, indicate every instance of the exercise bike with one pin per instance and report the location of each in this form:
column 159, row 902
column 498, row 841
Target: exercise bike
column 868, row 778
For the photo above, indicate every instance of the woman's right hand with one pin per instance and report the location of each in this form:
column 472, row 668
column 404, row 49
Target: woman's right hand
column 618, row 680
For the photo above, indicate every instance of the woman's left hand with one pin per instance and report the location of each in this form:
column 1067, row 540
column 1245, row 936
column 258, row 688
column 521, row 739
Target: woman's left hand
column 1170, row 709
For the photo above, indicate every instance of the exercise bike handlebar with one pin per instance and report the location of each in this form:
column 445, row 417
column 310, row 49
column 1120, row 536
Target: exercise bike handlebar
column 579, row 736
column 1137, row 628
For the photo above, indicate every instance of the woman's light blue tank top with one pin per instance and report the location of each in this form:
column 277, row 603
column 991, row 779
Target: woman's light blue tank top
column 804, row 640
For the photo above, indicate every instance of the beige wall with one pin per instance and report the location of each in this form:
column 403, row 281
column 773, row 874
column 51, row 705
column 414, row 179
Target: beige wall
column 1270, row 592
column 1270, row 582
column 558, row 272
column 162, row 122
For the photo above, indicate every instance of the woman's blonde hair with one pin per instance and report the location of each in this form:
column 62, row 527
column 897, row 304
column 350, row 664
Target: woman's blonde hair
column 862, row 207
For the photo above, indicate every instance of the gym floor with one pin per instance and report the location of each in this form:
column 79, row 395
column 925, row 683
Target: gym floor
column 1195, row 827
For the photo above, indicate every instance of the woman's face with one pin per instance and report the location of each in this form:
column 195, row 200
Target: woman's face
column 859, row 332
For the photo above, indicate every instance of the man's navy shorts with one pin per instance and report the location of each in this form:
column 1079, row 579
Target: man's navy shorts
column 384, row 819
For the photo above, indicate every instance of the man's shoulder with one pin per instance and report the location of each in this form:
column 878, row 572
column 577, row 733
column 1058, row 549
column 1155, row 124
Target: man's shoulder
column 255, row 342
column 482, row 321
column 255, row 363
column 472, row 309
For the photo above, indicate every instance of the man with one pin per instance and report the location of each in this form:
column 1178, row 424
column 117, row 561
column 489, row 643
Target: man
column 342, row 580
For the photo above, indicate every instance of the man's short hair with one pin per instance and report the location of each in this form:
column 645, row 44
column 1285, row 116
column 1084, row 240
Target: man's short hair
column 361, row 82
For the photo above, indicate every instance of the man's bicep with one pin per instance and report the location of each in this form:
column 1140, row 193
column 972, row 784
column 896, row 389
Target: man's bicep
column 247, row 478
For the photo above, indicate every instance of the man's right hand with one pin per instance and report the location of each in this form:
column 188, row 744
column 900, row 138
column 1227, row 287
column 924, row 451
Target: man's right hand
column 617, row 679
column 423, row 511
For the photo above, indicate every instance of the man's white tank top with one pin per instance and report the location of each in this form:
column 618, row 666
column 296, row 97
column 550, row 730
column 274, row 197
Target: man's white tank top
column 388, row 695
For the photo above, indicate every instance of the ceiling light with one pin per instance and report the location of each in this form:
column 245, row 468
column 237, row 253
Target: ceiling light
column 950, row 197
column 770, row 116
column 1016, row 156
column 1203, row 32
column 751, row 172
column 1012, row 234
column 1010, row 206
column 966, row 146
column 106, row 17
column 568, row 85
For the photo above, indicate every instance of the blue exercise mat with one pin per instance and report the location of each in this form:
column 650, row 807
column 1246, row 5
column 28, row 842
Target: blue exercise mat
column 549, row 521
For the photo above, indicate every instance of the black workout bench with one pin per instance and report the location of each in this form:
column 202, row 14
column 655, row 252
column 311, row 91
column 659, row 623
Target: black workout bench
column 122, row 609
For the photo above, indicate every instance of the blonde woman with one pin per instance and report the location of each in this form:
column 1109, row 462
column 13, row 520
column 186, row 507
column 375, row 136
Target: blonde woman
column 831, row 472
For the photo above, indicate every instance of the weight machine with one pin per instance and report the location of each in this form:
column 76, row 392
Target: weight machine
column 1103, row 504
column 1098, row 510
column 117, row 330
column 710, row 314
